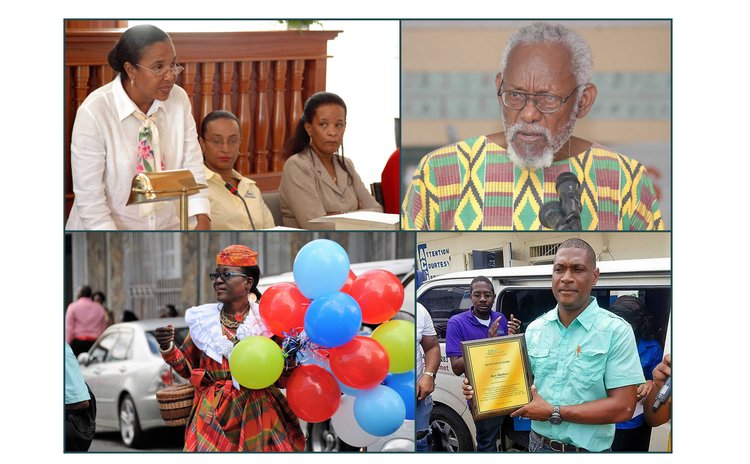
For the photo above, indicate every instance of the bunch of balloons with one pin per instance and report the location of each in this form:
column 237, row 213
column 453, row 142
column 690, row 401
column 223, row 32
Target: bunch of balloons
column 363, row 384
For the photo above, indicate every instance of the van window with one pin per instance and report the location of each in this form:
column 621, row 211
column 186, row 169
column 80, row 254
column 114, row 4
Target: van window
column 527, row 304
column 444, row 302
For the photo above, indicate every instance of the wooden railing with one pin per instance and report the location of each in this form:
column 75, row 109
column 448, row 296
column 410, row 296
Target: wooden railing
column 262, row 77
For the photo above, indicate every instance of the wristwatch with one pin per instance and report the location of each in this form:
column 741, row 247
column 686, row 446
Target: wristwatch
column 555, row 418
column 431, row 374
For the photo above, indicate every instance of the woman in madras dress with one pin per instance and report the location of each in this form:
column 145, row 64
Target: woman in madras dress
column 225, row 415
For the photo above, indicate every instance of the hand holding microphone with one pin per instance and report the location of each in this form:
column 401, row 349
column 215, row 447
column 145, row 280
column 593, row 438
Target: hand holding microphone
column 665, row 392
column 663, row 376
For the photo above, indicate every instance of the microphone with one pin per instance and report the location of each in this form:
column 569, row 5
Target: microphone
column 234, row 191
column 564, row 214
column 664, row 393
column 551, row 214
column 569, row 190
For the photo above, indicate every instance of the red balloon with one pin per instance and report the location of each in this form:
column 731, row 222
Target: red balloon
column 361, row 363
column 283, row 308
column 313, row 393
column 379, row 294
column 349, row 281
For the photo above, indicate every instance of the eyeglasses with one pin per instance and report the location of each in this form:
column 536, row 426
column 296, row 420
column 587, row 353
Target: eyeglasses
column 544, row 102
column 218, row 143
column 226, row 275
column 160, row 71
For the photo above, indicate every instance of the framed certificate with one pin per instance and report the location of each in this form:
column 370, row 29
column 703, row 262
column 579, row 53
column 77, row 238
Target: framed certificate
column 498, row 369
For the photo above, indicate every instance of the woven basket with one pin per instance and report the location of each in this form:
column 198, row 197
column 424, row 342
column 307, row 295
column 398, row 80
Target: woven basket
column 175, row 403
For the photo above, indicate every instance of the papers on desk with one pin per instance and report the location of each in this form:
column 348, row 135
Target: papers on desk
column 362, row 220
column 281, row 228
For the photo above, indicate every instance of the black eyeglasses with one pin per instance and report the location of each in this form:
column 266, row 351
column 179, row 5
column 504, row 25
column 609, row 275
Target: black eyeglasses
column 544, row 102
column 226, row 275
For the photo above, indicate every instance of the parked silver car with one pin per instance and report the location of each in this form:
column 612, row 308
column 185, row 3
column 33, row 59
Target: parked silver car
column 124, row 369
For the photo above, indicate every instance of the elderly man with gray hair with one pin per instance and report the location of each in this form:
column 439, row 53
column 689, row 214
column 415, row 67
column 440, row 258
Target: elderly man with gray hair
column 512, row 180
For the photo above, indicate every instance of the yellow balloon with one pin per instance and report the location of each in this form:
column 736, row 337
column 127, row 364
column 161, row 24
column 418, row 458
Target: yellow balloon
column 256, row 362
column 397, row 337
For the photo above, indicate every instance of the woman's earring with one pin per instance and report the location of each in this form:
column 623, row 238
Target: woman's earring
column 132, row 82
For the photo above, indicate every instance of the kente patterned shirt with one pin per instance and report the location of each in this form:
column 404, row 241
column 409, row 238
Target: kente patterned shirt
column 473, row 185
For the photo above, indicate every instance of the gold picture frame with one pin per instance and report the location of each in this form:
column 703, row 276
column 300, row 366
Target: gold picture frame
column 498, row 370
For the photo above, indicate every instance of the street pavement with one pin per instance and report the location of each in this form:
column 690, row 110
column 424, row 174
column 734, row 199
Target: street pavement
column 165, row 439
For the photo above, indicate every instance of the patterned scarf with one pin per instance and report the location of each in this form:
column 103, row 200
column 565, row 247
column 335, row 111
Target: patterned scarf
column 148, row 154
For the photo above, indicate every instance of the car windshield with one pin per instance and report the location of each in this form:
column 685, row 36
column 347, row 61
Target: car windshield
column 179, row 336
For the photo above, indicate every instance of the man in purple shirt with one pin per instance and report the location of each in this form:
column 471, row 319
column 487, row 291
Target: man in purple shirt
column 84, row 321
column 480, row 321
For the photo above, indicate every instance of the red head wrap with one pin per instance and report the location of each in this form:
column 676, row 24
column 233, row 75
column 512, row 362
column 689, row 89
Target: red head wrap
column 237, row 255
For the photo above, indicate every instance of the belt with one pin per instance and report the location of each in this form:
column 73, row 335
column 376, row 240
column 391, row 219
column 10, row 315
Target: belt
column 560, row 446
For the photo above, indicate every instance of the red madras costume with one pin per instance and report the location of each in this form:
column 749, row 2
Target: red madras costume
column 226, row 416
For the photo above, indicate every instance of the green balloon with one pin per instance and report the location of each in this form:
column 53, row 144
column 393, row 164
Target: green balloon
column 397, row 337
column 256, row 362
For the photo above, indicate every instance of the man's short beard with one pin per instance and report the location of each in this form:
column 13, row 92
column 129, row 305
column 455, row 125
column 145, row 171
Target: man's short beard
column 523, row 156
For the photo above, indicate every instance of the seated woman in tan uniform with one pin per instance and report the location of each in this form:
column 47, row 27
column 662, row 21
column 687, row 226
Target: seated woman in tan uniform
column 236, row 203
column 317, row 180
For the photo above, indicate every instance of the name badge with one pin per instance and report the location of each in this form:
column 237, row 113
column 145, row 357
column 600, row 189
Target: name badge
column 249, row 195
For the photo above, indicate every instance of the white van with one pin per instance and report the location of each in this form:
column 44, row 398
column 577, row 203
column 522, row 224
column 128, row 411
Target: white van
column 526, row 293
column 321, row 436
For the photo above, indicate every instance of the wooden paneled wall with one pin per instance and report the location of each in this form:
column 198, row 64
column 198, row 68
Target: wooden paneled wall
column 262, row 77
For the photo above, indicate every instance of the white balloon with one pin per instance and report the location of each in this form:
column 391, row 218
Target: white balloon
column 346, row 425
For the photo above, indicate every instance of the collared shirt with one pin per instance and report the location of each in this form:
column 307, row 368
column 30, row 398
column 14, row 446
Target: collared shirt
column 578, row 364
column 308, row 192
column 424, row 327
column 103, row 159
column 84, row 318
column 465, row 326
column 75, row 386
column 227, row 212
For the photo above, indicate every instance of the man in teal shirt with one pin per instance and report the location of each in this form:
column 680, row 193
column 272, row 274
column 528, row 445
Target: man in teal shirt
column 80, row 406
column 584, row 360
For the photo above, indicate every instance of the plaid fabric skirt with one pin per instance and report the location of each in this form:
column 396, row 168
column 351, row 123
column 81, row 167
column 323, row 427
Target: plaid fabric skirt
column 227, row 419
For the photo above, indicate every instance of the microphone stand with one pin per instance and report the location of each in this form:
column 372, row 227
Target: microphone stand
column 234, row 191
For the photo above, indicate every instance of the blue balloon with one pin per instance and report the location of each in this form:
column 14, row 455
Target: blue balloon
column 333, row 319
column 403, row 384
column 321, row 267
column 380, row 411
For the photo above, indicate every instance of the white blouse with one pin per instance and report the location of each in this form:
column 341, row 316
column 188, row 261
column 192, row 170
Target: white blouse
column 103, row 159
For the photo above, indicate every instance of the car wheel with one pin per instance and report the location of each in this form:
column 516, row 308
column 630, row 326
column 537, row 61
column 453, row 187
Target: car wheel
column 322, row 437
column 453, row 427
column 130, row 426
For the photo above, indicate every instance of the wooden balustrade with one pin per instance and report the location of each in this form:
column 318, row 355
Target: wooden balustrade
column 262, row 77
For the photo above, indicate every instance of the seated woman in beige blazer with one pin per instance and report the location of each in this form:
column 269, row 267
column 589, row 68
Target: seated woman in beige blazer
column 317, row 180
column 236, row 203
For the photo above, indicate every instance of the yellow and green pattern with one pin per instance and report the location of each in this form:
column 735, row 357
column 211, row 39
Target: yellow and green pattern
column 473, row 185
